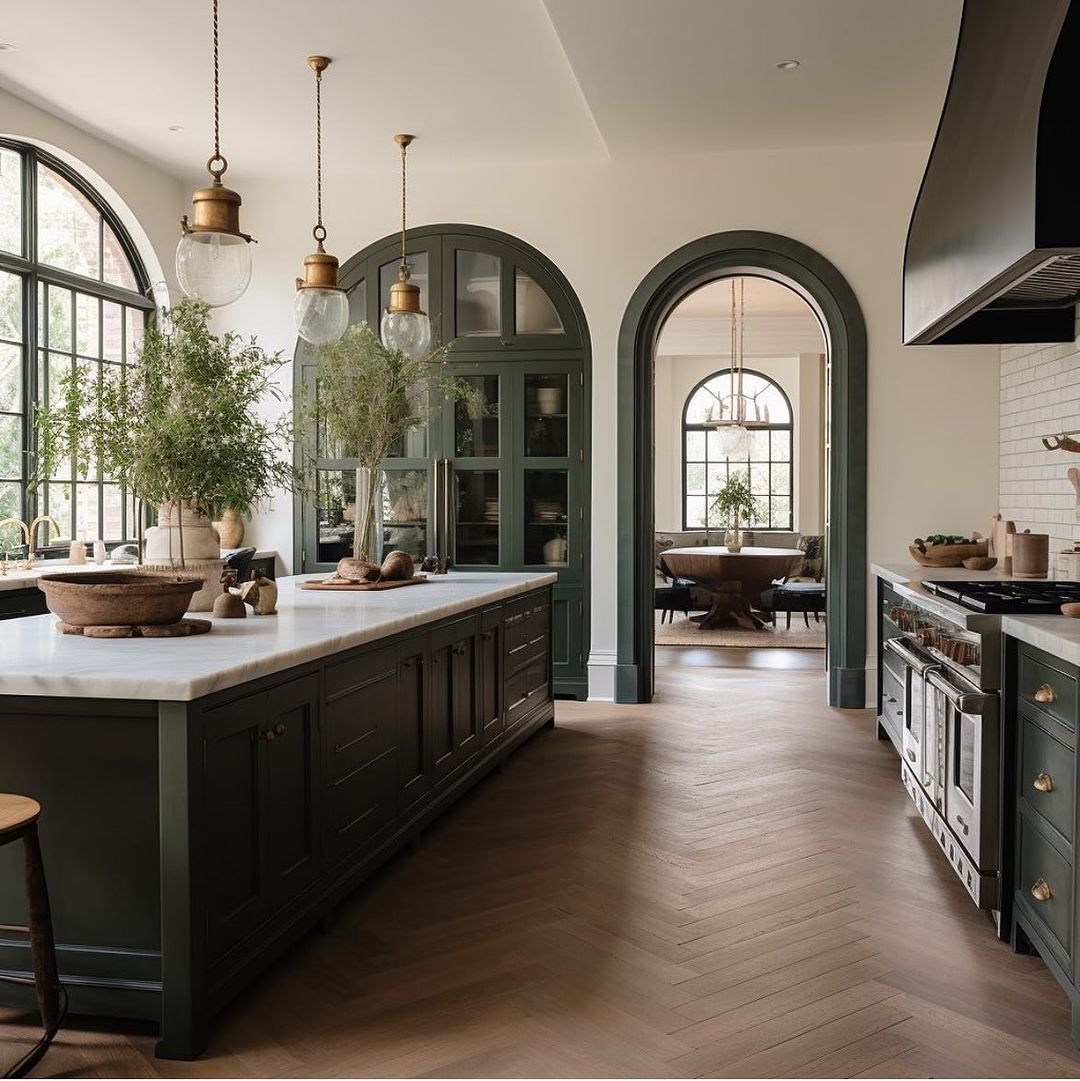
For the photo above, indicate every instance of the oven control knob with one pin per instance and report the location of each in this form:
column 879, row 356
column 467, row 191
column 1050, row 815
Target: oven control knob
column 1046, row 694
column 1041, row 890
column 1043, row 783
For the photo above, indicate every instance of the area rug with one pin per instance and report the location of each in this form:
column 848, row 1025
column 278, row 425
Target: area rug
column 682, row 632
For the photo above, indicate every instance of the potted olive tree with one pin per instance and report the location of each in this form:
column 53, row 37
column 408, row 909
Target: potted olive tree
column 369, row 399
column 180, row 428
column 733, row 505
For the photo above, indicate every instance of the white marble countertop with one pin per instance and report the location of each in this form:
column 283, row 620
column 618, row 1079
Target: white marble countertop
column 20, row 579
column 1057, row 635
column 35, row 659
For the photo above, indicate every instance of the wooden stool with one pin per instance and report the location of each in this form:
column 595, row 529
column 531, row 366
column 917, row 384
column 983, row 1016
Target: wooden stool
column 18, row 821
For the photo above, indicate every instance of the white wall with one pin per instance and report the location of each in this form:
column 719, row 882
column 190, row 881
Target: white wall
column 606, row 225
column 1040, row 395
column 148, row 201
column 676, row 377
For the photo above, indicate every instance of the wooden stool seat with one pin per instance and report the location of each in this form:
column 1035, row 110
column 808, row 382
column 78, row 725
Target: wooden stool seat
column 17, row 812
column 18, row 822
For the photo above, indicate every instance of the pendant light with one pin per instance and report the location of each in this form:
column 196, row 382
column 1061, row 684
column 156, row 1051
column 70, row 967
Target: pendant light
column 405, row 326
column 213, row 261
column 321, row 309
column 738, row 413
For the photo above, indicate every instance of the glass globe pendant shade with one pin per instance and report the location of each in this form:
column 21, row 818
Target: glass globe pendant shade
column 409, row 332
column 213, row 267
column 733, row 440
column 321, row 314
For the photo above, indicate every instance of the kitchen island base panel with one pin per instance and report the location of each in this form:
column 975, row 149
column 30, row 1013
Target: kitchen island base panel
column 190, row 844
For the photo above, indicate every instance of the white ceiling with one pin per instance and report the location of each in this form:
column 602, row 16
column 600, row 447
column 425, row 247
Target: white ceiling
column 479, row 80
column 776, row 322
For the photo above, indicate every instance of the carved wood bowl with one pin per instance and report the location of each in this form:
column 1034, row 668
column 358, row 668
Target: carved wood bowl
column 980, row 563
column 1071, row 609
column 948, row 555
column 119, row 598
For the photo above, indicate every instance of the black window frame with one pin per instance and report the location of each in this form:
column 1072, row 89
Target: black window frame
column 770, row 428
column 35, row 275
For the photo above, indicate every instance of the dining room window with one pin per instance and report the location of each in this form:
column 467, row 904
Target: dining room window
column 768, row 460
column 73, row 294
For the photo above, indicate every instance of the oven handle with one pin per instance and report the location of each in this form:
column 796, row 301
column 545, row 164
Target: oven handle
column 975, row 705
column 918, row 664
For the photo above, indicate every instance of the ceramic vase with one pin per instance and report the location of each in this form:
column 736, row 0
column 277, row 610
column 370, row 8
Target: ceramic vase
column 733, row 540
column 230, row 529
column 368, row 494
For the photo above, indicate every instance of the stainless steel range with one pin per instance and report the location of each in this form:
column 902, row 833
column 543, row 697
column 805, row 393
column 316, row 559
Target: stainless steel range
column 941, row 679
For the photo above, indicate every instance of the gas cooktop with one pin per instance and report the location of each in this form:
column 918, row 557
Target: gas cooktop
column 1030, row 598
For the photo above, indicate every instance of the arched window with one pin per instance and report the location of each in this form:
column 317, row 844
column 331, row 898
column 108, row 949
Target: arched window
column 73, row 291
column 768, row 460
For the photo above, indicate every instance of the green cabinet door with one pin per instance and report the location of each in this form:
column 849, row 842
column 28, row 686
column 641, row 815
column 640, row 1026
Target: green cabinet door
column 455, row 720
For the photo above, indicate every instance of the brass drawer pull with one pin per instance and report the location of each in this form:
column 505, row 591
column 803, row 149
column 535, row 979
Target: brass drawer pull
column 272, row 733
column 1046, row 695
column 1041, row 890
column 1043, row 783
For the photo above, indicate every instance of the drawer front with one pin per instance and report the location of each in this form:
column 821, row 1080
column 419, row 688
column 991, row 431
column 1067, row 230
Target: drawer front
column 525, row 690
column 892, row 703
column 361, row 803
column 354, row 673
column 1048, row 777
column 1048, row 685
column 526, row 634
column 1042, row 866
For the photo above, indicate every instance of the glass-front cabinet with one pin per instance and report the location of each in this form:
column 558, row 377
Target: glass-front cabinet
column 501, row 473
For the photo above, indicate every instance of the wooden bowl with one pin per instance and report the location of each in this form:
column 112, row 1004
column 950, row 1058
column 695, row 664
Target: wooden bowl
column 948, row 555
column 119, row 598
column 1071, row 609
column 980, row 563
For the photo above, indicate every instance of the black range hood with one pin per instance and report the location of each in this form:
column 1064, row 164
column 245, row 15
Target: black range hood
column 993, row 247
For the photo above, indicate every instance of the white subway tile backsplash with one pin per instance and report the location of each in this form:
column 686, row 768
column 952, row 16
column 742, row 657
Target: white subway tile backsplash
column 1040, row 395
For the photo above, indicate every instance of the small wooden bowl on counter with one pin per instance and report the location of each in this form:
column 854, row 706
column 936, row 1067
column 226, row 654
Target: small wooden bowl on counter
column 947, row 555
column 980, row 563
column 1071, row 609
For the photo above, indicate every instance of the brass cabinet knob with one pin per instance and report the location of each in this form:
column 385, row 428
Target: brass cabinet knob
column 1043, row 783
column 272, row 733
column 1041, row 890
column 1046, row 694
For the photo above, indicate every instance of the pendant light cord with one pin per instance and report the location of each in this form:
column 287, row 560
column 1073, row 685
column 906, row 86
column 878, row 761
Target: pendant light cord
column 404, row 265
column 217, row 91
column 319, row 232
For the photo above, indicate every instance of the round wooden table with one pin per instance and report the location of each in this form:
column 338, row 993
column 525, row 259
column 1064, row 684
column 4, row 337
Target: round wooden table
column 736, row 580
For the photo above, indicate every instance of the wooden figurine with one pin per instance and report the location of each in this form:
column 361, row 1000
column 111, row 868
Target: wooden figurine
column 229, row 605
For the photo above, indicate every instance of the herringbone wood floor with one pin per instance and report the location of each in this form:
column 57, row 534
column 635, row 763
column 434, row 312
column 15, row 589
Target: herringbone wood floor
column 729, row 882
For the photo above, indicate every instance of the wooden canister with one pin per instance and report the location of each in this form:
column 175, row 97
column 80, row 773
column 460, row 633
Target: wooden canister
column 1031, row 555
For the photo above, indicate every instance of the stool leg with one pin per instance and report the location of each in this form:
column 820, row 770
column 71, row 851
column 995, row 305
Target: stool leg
column 806, row 620
column 42, row 947
column 789, row 621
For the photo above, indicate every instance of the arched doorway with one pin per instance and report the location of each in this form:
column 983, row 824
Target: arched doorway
column 517, row 471
column 827, row 292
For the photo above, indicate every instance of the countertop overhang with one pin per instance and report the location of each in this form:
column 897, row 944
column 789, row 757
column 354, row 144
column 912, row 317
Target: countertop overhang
column 35, row 659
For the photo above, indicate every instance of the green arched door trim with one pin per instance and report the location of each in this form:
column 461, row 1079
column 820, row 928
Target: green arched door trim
column 829, row 295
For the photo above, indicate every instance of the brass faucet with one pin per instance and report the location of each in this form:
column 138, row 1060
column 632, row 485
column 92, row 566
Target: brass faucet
column 28, row 562
column 49, row 520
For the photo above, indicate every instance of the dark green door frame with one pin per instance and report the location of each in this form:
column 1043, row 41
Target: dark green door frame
column 827, row 292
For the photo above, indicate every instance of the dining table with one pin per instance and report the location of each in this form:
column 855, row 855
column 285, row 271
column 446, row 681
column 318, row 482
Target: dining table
column 735, row 580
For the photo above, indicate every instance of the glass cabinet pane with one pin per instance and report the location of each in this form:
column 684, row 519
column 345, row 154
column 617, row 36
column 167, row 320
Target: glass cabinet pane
column 533, row 311
column 546, row 513
column 414, row 443
column 476, row 419
column 358, row 302
column 478, row 294
column 405, row 512
column 547, row 432
column 477, row 517
column 335, row 513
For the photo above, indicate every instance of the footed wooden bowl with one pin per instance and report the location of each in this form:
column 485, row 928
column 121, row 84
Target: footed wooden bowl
column 948, row 555
column 1071, row 609
column 119, row 598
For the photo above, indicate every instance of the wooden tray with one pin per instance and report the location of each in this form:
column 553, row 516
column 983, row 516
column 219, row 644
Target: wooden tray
column 343, row 586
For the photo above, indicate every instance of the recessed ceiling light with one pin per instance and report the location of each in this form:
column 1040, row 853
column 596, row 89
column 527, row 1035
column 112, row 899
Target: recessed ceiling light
column 788, row 65
column 6, row 47
column 176, row 128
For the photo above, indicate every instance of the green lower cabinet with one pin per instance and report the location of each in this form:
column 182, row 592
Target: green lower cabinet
column 454, row 718
column 16, row 603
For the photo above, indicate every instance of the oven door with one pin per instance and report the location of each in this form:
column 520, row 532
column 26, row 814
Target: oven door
column 970, row 725
column 919, row 743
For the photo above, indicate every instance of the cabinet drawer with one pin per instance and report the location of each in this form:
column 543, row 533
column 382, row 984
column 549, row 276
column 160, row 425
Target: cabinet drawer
column 1042, row 865
column 525, row 689
column 527, row 635
column 892, row 701
column 360, row 804
column 354, row 673
column 1046, row 763
column 1051, row 680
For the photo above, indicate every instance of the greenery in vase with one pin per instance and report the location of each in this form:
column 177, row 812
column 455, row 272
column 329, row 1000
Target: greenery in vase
column 180, row 425
column 734, row 503
column 369, row 398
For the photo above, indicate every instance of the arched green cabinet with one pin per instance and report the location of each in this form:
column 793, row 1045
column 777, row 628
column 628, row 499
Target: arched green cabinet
column 515, row 469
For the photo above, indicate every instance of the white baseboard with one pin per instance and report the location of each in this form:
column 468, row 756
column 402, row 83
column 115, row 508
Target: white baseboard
column 602, row 675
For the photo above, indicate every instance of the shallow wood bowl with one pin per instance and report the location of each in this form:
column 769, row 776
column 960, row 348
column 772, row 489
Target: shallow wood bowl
column 1071, row 609
column 119, row 598
column 980, row 563
column 948, row 555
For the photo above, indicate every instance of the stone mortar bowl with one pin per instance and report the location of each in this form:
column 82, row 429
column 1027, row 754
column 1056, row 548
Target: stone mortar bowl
column 119, row 598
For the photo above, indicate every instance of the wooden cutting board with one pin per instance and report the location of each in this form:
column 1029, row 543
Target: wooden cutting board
column 343, row 586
